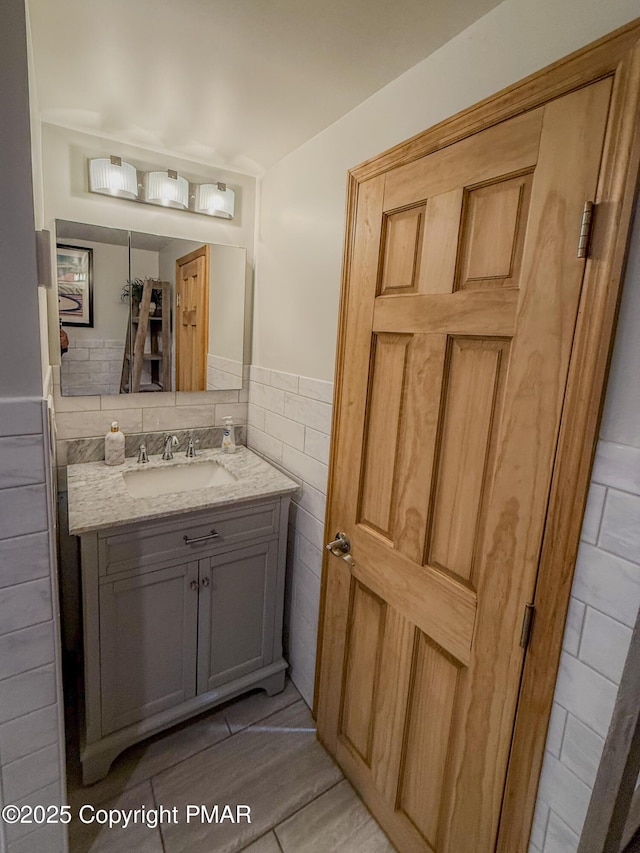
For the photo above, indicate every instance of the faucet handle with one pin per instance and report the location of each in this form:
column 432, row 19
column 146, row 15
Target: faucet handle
column 169, row 441
column 191, row 448
column 142, row 453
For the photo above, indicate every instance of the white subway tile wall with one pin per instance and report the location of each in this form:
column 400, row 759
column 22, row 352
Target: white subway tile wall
column 289, row 421
column 604, row 604
column 31, row 748
column 223, row 373
column 91, row 366
column 90, row 417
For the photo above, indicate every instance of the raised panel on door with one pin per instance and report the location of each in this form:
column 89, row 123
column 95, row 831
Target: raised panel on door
column 148, row 633
column 235, row 617
column 460, row 314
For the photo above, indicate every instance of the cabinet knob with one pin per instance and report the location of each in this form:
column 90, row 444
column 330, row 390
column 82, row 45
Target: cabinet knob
column 195, row 585
column 205, row 581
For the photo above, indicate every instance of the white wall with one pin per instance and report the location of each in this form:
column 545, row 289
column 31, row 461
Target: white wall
column 302, row 206
column 299, row 252
column 227, row 303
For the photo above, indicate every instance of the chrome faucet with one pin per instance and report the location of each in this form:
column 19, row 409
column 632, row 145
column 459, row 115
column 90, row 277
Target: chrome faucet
column 170, row 441
column 191, row 448
column 142, row 453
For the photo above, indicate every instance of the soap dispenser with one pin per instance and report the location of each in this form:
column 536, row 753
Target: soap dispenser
column 114, row 446
column 228, row 438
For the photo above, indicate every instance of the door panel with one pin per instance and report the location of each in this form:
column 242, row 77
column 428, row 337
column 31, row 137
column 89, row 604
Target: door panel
column 192, row 320
column 366, row 626
column 459, row 318
column 427, row 736
column 492, row 232
column 474, row 380
column 385, row 412
column 235, row 636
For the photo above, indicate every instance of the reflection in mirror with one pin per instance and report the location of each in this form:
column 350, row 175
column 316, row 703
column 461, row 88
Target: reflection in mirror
column 168, row 314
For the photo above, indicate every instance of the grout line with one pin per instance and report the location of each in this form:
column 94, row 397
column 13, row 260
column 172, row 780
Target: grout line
column 582, row 723
column 313, row 800
column 564, row 731
column 275, row 835
column 602, row 508
column 602, row 612
column 583, row 622
column 613, row 554
column 592, row 668
column 155, row 803
column 602, row 514
column 270, row 714
column 4, row 587
column 546, row 826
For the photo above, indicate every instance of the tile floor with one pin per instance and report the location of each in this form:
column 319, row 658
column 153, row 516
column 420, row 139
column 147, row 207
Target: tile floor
column 258, row 751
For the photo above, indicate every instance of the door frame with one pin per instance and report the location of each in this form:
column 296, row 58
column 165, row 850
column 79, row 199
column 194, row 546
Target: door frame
column 203, row 251
column 616, row 55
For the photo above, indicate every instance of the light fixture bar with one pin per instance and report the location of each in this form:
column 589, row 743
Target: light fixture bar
column 114, row 177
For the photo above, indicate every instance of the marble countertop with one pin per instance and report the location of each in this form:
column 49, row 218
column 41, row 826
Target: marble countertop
column 99, row 499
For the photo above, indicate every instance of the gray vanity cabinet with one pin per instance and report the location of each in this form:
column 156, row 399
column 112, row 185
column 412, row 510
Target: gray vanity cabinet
column 179, row 616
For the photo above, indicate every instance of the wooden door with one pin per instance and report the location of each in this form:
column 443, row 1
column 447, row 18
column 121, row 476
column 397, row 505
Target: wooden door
column 147, row 644
column 192, row 320
column 459, row 315
column 235, row 616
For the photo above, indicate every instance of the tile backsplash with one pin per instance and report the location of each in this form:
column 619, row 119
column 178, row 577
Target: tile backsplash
column 81, row 422
column 204, row 438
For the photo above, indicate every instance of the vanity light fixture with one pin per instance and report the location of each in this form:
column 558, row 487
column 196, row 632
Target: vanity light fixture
column 215, row 200
column 112, row 176
column 166, row 188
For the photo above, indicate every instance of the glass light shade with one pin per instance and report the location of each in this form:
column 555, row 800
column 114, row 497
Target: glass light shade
column 109, row 178
column 160, row 188
column 214, row 201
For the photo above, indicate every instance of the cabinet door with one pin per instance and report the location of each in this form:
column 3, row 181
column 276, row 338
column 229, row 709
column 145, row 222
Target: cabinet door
column 148, row 633
column 236, row 616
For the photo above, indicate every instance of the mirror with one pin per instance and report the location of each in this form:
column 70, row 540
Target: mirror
column 143, row 312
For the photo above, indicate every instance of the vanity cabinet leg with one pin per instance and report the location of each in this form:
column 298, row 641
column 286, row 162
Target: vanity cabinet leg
column 96, row 768
column 274, row 684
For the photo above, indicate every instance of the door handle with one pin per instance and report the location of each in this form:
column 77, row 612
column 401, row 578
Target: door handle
column 213, row 535
column 340, row 547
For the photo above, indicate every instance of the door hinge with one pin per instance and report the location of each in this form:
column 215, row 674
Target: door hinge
column 177, row 300
column 527, row 622
column 585, row 229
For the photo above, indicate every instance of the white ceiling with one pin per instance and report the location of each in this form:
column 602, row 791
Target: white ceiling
column 232, row 83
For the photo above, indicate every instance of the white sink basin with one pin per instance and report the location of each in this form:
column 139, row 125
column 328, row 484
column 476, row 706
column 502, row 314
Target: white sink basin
column 152, row 482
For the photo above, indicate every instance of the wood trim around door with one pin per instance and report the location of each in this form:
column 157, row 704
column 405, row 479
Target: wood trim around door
column 618, row 56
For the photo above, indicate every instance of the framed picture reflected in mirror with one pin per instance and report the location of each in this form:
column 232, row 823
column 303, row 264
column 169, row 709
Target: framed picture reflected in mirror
column 75, row 285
